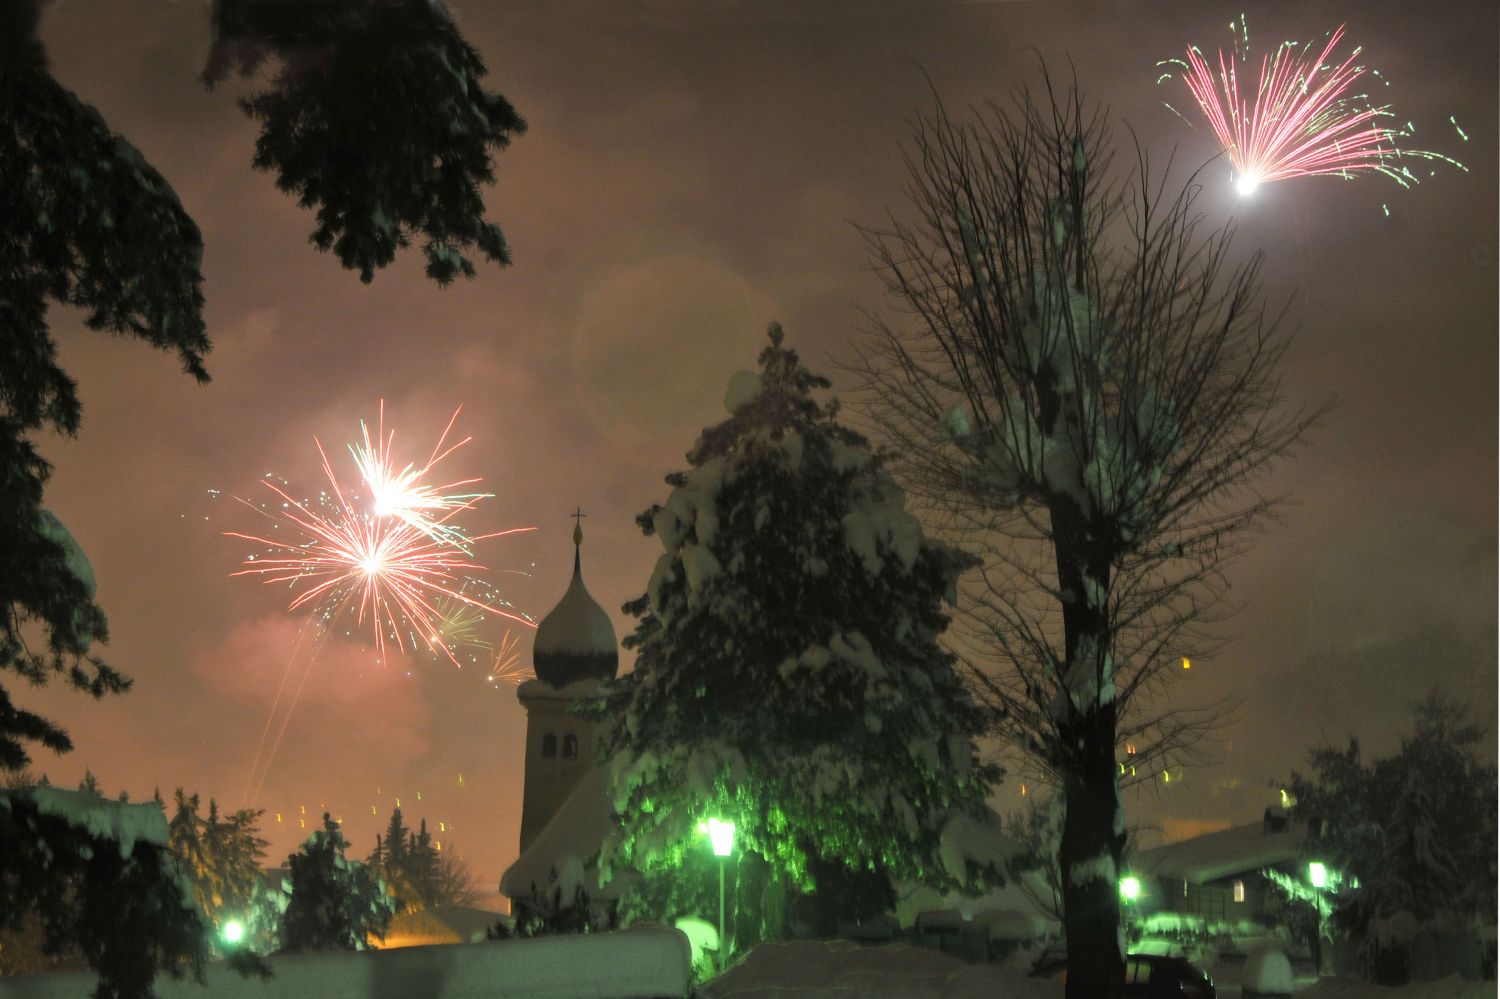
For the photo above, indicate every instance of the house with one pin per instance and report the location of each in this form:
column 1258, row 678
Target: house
column 1218, row 875
column 441, row 924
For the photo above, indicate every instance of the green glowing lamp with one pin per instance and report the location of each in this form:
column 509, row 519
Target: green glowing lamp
column 720, row 836
column 1130, row 888
column 1317, row 874
column 233, row 931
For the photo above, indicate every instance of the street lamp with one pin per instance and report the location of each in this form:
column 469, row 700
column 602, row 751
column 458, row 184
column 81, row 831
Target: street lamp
column 721, row 838
column 233, row 932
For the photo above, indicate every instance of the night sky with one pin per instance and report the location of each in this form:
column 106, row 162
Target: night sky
column 693, row 170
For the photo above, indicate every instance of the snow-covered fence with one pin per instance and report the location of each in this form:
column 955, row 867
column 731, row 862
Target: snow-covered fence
column 638, row 963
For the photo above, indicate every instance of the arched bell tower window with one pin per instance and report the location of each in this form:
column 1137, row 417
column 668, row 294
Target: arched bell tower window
column 570, row 747
column 549, row 746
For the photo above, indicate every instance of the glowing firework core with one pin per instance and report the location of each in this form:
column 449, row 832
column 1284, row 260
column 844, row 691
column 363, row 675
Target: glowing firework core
column 1246, row 184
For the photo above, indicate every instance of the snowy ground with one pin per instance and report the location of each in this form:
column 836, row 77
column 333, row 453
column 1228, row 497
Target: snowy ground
column 634, row 963
column 654, row 962
column 842, row 970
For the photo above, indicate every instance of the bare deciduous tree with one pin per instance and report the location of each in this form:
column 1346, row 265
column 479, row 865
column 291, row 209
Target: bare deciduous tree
column 1084, row 393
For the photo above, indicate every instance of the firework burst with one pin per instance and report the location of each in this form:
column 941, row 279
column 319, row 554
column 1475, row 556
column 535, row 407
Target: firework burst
column 397, row 564
column 1299, row 116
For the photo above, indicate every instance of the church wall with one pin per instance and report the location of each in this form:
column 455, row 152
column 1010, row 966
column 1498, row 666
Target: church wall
column 551, row 773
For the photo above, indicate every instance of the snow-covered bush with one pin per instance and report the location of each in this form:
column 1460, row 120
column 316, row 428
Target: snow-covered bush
column 789, row 676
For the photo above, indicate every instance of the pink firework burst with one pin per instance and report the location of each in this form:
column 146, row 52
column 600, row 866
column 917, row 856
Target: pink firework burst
column 392, row 565
column 1302, row 118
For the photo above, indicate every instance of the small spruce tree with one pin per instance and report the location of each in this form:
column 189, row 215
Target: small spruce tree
column 336, row 903
column 789, row 677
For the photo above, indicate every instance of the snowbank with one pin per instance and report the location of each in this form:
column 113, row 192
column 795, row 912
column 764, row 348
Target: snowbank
column 1267, row 972
column 635, row 963
column 838, row 969
column 1351, row 988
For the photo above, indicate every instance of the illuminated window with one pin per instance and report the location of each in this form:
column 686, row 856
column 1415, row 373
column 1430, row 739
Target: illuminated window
column 1239, row 891
column 570, row 747
column 549, row 746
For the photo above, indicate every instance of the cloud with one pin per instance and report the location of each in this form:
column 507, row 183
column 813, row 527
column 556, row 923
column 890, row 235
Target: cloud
column 678, row 322
column 335, row 697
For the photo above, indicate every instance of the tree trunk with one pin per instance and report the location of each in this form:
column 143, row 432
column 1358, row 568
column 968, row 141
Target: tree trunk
column 1093, row 829
column 1091, row 905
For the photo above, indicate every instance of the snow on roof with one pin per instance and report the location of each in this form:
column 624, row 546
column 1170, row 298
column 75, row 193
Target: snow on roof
column 123, row 823
column 576, row 625
column 575, row 831
column 541, row 690
column 1218, row 855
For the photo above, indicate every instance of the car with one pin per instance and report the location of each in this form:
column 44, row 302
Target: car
column 1147, row 976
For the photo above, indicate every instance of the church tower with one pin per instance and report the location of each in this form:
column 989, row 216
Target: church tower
column 574, row 650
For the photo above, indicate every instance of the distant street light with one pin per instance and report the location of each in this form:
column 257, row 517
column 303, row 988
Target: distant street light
column 721, row 838
column 233, row 932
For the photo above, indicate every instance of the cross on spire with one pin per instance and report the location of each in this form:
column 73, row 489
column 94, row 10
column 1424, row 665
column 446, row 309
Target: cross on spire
column 577, row 516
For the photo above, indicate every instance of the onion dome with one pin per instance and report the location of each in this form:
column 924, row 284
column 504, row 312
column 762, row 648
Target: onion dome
column 576, row 641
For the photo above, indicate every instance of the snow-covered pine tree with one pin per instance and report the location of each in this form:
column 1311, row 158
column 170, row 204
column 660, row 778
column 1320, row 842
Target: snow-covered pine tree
column 221, row 856
column 184, row 836
column 391, row 859
column 422, row 866
column 1416, row 831
column 98, row 879
column 788, row 673
column 238, row 850
column 336, row 903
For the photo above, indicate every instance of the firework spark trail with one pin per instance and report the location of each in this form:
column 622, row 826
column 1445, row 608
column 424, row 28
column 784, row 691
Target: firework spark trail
column 246, row 796
column 505, row 665
column 286, row 719
column 1302, row 118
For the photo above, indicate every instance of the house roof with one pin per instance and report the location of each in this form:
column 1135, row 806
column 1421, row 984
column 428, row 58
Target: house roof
column 1221, row 854
column 446, row 923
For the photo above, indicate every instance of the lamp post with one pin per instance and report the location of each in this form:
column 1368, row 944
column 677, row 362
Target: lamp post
column 721, row 838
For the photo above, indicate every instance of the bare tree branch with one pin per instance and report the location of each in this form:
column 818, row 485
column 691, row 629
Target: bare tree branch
column 1082, row 392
